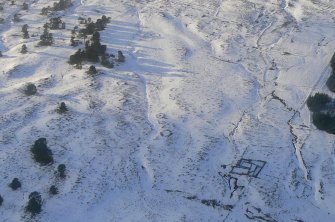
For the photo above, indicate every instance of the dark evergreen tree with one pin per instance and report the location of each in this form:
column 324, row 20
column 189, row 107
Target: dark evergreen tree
column 46, row 39
column 62, row 108
column 55, row 23
column 77, row 58
column 41, row 153
column 34, row 205
column 30, row 89
column 24, row 49
column 53, row 190
column 61, row 170
column 45, row 11
column 25, row 6
column 25, row 31
column 105, row 19
column 1, row 200
column 15, row 184
column 92, row 70
column 106, row 62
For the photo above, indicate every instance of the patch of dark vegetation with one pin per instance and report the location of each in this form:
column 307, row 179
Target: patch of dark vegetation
column 62, row 108
column 30, row 89
column 61, row 170
column 53, row 190
column 56, row 23
column 318, row 102
column 24, row 49
column 24, row 30
column 57, row 6
column 46, row 39
column 34, row 205
column 322, row 106
column 94, row 51
column 92, row 70
column 41, row 153
column 1, row 200
column 331, row 82
column 324, row 121
column 15, row 184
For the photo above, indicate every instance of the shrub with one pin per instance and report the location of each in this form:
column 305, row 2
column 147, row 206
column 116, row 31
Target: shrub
column 25, row 6
column 120, row 57
column 105, row 61
column 24, row 49
column 92, row 70
column 53, row 190
column 15, row 184
column 30, row 89
column 25, row 31
column 77, row 57
column 324, row 121
column 34, row 205
column 62, row 5
column 318, row 102
column 62, row 108
column 61, row 170
column 42, row 154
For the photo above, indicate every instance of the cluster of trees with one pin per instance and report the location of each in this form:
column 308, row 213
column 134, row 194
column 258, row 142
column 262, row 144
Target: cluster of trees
column 43, row 155
column 323, row 106
column 57, row 6
column 46, row 39
column 91, row 26
column 56, row 23
column 40, row 151
column 94, row 51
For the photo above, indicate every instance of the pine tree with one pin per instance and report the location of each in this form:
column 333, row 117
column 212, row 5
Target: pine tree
column 24, row 49
column 41, row 153
column 15, row 184
column 25, row 31
column 34, row 205
column 46, row 39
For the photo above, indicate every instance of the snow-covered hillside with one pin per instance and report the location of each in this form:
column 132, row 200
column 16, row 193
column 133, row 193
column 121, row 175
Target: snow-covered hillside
column 205, row 121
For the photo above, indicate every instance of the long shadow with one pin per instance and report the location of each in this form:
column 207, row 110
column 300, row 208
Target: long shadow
column 127, row 36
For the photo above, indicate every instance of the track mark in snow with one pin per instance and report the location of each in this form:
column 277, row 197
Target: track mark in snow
column 295, row 143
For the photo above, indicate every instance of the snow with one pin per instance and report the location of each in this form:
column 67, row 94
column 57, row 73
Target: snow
column 205, row 84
